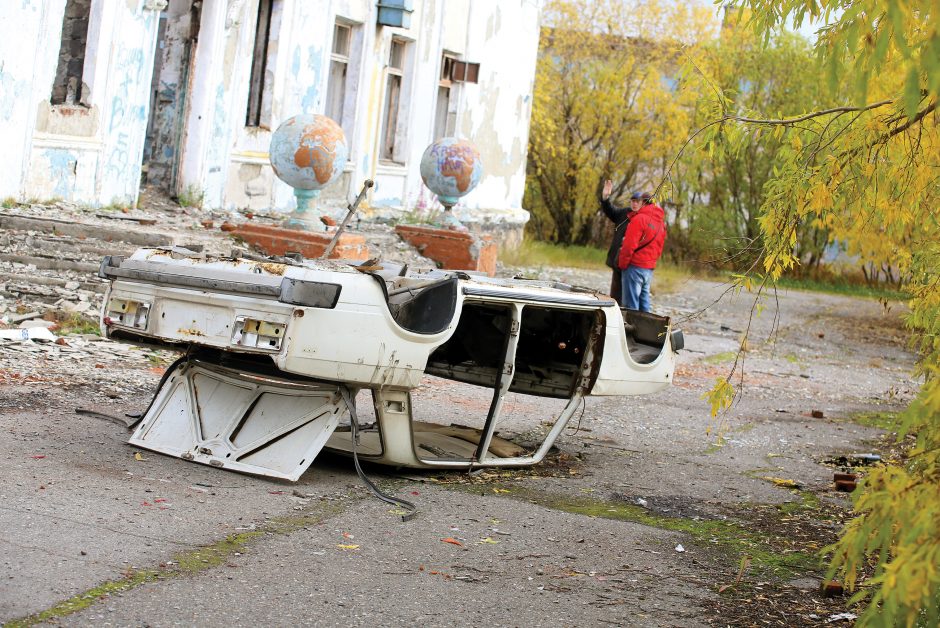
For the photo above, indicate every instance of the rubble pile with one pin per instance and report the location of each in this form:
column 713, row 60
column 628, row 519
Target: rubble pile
column 51, row 295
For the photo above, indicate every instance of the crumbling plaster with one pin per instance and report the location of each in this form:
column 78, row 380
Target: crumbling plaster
column 98, row 149
column 85, row 154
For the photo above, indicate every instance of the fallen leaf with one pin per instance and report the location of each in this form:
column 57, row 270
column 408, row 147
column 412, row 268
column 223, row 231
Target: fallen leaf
column 488, row 540
column 138, row 457
column 782, row 482
column 452, row 541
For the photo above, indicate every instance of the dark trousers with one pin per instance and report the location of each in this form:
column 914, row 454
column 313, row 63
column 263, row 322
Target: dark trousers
column 616, row 285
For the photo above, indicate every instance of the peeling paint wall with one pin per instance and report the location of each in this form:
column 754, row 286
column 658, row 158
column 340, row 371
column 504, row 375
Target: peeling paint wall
column 17, row 113
column 87, row 153
column 201, row 144
column 496, row 111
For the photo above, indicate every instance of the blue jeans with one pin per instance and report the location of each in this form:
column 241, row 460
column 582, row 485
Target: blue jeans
column 636, row 288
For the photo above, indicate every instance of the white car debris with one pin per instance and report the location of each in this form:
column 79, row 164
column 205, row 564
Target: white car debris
column 276, row 350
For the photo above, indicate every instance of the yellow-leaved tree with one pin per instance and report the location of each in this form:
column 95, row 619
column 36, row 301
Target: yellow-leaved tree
column 606, row 105
column 868, row 173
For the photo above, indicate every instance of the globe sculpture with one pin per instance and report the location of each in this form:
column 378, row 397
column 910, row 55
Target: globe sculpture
column 451, row 168
column 308, row 151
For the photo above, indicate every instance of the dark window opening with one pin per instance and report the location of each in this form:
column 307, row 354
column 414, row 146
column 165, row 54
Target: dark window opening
column 67, row 88
column 259, row 63
column 391, row 117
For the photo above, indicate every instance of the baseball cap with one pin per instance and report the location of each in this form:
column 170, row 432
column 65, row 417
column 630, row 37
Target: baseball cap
column 639, row 196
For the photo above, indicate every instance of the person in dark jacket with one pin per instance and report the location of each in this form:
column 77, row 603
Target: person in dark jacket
column 642, row 245
column 620, row 216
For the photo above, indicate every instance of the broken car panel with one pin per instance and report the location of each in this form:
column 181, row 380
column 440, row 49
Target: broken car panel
column 275, row 351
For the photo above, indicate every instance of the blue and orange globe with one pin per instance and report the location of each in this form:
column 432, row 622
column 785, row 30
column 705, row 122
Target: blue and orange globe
column 308, row 151
column 451, row 168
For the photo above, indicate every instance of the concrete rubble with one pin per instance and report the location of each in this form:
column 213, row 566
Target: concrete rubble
column 49, row 259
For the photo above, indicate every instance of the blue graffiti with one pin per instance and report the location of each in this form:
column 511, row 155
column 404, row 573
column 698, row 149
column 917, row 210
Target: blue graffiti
column 62, row 169
column 295, row 63
column 311, row 96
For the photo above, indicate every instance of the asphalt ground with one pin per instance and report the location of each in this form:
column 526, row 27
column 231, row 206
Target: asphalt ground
column 650, row 512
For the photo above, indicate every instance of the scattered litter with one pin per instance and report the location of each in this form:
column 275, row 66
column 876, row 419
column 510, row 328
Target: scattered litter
column 488, row 540
column 853, row 460
column 138, row 457
column 452, row 541
column 277, row 492
column 818, row 414
column 347, row 547
column 642, row 502
column 33, row 333
column 842, row 617
column 679, row 548
column 38, row 456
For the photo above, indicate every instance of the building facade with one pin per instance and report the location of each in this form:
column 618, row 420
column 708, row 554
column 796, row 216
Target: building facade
column 98, row 96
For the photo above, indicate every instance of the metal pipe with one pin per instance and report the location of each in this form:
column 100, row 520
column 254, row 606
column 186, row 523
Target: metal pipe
column 349, row 214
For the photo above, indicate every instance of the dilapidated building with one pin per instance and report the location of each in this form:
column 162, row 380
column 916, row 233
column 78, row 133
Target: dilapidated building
column 100, row 96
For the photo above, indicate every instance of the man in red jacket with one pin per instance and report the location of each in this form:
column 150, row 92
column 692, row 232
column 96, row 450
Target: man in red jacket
column 641, row 248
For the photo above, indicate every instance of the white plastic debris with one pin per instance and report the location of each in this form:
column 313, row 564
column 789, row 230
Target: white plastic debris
column 641, row 502
column 679, row 548
column 33, row 333
column 842, row 617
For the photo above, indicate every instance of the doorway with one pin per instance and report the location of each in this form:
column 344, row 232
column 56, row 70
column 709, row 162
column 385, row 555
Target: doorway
column 174, row 58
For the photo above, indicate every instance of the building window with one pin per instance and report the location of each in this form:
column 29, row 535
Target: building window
column 445, row 113
column 68, row 88
column 341, row 88
column 393, row 131
column 260, row 86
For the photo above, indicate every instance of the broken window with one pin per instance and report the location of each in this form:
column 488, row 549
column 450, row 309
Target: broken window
column 341, row 88
column 392, row 148
column 267, row 26
column 445, row 115
column 67, row 87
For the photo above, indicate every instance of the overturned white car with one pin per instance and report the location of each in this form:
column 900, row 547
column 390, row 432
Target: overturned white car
column 275, row 352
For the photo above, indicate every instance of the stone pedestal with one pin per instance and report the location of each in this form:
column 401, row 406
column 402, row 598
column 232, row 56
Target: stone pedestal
column 310, row 244
column 453, row 250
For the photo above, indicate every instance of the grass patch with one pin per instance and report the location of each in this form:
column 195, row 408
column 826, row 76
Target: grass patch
column 183, row 564
column 720, row 358
column 535, row 253
column 843, row 287
column 731, row 539
column 889, row 421
column 192, row 196
column 77, row 324
column 9, row 202
column 667, row 278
